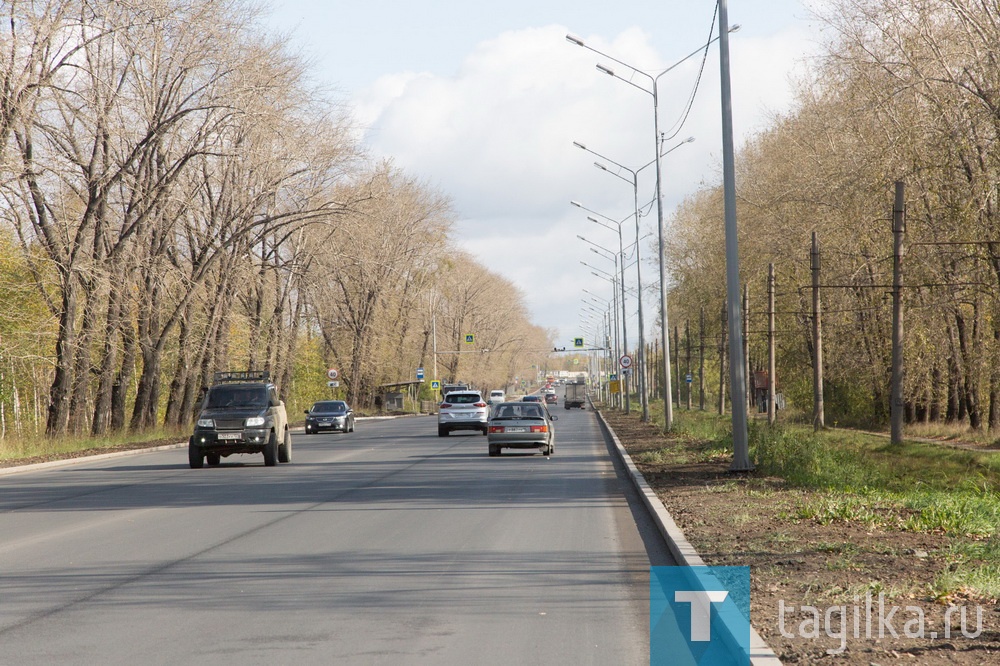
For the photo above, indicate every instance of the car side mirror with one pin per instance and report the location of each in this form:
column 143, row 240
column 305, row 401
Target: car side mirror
column 306, row 412
column 554, row 417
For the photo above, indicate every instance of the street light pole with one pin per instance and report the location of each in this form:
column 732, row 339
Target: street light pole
column 628, row 401
column 737, row 378
column 664, row 325
column 634, row 181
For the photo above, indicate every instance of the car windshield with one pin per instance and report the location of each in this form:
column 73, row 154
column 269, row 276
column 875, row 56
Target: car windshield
column 519, row 411
column 329, row 407
column 463, row 398
column 237, row 396
column 532, row 398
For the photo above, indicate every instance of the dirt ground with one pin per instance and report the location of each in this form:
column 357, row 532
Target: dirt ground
column 831, row 569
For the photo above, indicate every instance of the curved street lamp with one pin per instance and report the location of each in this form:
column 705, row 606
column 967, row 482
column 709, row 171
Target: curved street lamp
column 643, row 390
column 652, row 90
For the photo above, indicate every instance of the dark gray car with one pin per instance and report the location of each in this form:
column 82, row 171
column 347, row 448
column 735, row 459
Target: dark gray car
column 329, row 415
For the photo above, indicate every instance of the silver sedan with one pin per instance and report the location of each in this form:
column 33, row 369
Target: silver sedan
column 521, row 425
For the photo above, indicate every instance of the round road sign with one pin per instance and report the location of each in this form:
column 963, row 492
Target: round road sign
column 625, row 361
column 332, row 373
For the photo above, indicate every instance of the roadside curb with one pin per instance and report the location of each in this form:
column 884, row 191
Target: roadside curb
column 78, row 460
column 682, row 550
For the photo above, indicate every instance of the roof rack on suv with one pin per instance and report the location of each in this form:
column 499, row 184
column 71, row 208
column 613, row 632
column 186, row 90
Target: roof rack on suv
column 243, row 376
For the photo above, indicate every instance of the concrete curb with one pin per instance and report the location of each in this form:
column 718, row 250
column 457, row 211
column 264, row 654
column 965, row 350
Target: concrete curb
column 66, row 462
column 677, row 543
column 78, row 460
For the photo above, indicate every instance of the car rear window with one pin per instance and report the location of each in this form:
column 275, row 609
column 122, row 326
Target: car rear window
column 463, row 398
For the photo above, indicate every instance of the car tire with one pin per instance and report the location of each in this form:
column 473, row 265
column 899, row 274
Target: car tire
column 195, row 457
column 494, row 451
column 442, row 431
column 485, row 431
column 271, row 451
column 552, row 449
column 285, row 450
column 352, row 426
column 567, row 408
column 213, row 459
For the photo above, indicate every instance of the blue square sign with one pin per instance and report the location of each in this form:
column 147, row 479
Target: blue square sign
column 699, row 616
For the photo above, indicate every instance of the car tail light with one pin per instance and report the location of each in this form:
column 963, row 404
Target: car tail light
column 444, row 404
column 479, row 404
column 541, row 428
column 496, row 429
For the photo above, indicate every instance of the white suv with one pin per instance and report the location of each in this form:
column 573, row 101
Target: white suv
column 496, row 397
column 463, row 410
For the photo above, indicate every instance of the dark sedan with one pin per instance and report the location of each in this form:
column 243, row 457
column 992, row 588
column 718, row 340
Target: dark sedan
column 329, row 415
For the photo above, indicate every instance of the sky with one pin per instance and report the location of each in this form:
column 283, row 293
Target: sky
column 484, row 101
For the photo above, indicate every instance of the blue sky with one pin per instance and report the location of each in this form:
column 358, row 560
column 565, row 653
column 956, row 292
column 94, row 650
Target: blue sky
column 483, row 101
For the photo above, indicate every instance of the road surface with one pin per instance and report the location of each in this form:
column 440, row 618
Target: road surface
column 389, row 545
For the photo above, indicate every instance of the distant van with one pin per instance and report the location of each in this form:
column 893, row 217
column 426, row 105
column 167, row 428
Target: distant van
column 496, row 396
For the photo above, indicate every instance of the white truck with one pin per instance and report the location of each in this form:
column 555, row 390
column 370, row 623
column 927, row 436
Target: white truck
column 576, row 395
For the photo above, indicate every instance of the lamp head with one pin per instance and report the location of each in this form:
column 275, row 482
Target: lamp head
column 573, row 39
column 579, row 145
column 576, row 203
column 606, row 70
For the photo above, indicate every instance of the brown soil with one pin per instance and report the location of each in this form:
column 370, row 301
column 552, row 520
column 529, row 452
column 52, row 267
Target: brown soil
column 736, row 520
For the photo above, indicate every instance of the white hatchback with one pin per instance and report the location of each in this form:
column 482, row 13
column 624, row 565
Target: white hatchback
column 496, row 397
column 463, row 410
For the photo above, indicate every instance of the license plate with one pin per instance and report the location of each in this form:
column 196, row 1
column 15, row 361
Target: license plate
column 325, row 422
column 515, row 429
column 230, row 436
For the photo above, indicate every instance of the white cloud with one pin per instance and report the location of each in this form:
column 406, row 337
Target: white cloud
column 497, row 137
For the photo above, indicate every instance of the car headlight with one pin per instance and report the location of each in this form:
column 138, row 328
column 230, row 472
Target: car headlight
column 206, row 423
column 255, row 421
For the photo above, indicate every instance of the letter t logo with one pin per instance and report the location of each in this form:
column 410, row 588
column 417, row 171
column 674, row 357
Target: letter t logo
column 701, row 618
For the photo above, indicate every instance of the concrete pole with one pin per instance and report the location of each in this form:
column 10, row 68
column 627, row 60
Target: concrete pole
column 896, row 391
column 722, row 363
column 701, row 361
column 748, row 396
column 819, row 418
column 771, row 378
column 738, row 379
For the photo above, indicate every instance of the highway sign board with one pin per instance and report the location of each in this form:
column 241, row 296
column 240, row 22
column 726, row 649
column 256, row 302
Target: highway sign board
column 625, row 361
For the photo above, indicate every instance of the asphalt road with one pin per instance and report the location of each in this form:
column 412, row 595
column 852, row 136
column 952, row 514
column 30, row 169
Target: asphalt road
column 389, row 545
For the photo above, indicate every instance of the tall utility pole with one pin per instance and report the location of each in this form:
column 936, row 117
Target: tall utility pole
column 771, row 378
column 677, row 362
column 687, row 342
column 746, row 346
column 722, row 363
column 737, row 378
column 701, row 361
column 896, row 391
column 819, row 419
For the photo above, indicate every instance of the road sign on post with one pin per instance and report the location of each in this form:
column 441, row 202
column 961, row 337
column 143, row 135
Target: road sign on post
column 578, row 342
column 332, row 373
column 333, row 384
column 470, row 338
column 625, row 361
column 435, row 385
column 420, row 373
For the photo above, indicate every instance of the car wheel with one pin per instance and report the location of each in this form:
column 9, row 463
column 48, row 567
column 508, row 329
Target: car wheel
column 567, row 408
column 442, row 431
column 195, row 457
column 352, row 426
column 494, row 450
column 285, row 450
column 486, row 431
column 552, row 449
column 213, row 458
column 271, row 451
